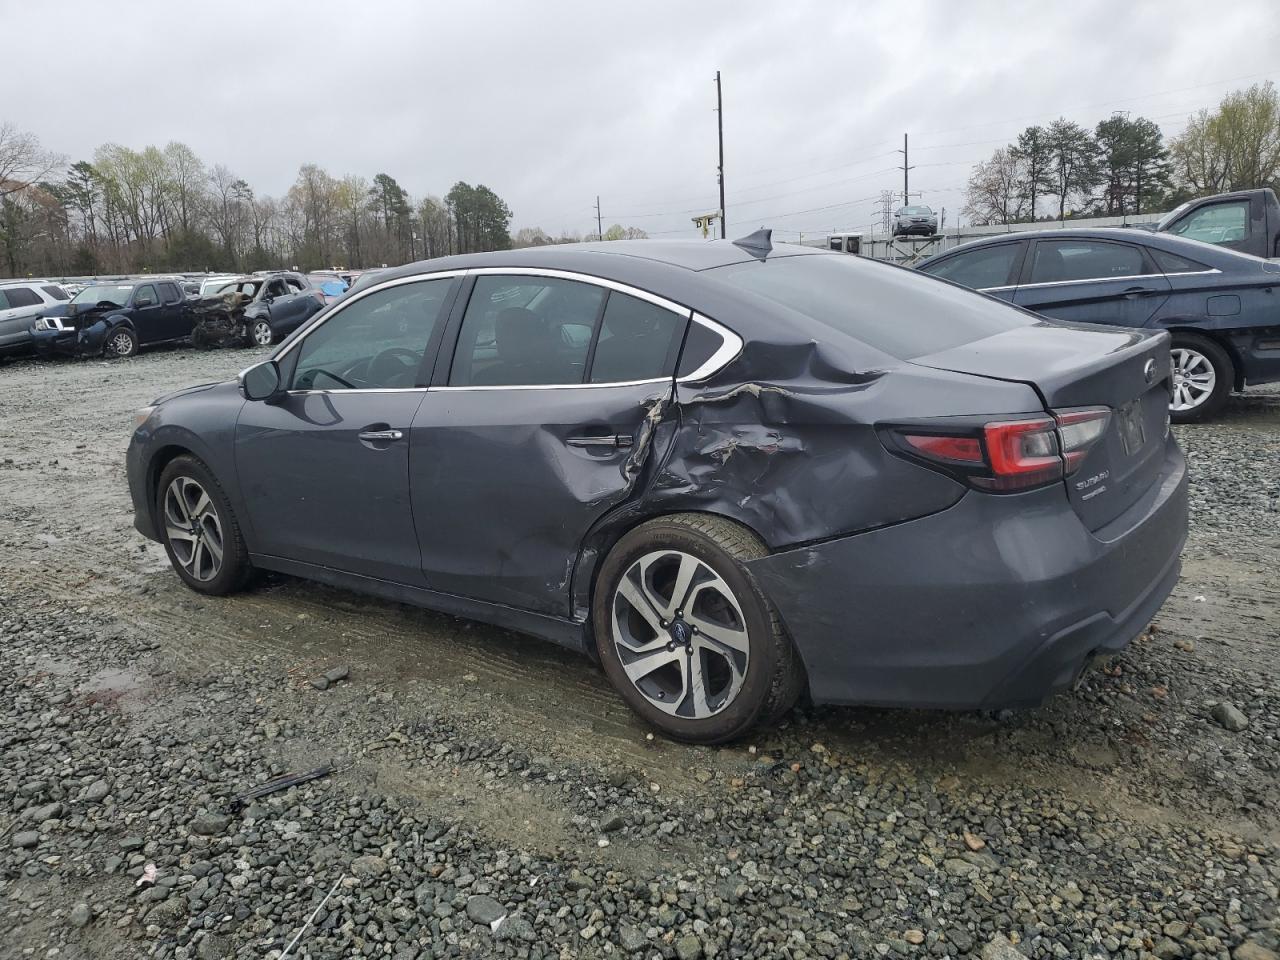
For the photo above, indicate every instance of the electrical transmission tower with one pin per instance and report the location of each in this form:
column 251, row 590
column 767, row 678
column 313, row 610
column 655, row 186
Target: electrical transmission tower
column 887, row 198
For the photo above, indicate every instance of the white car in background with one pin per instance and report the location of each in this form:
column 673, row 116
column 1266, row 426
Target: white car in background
column 21, row 302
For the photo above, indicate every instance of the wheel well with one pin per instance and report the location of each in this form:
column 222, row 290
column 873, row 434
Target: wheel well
column 601, row 539
column 1223, row 342
column 159, row 460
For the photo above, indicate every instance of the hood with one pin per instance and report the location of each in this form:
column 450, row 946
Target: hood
column 186, row 392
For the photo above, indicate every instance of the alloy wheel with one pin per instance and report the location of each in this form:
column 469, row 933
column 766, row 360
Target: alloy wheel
column 262, row 333
column 193, row 529
column 121, row 344
column 680, row 634
column 1193, row 379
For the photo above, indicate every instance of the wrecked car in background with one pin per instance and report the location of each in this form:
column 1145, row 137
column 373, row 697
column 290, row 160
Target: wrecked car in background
column 273, row 305
column 730, row 471
column 116, row 320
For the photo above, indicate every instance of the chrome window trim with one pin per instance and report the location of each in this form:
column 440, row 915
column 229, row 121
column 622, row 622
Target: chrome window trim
column 584, row 278
column 730, row 347
column 730, row 343
column 1131, row 276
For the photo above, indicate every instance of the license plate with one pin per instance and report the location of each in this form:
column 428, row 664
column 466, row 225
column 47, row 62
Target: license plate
column 1132, row 432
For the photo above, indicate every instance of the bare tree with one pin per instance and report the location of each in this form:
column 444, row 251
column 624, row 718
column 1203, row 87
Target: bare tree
column 23, row 162
column 996, row 190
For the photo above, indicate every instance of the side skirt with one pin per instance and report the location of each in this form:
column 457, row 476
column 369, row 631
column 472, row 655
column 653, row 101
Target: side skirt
column 566, row 633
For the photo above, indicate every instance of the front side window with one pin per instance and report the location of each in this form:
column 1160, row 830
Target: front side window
column 276, row 288
column 146, row 296
column 376, row 343
column 526, row 331
column 638, row 340
column 1216, row 223
column 978, row 269
column 1057, row 261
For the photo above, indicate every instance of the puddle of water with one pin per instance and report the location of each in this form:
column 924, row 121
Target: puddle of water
column 112, row 685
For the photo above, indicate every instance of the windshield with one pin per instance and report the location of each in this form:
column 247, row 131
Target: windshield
column 900, row 312
column 917, row 211
column 117, row 293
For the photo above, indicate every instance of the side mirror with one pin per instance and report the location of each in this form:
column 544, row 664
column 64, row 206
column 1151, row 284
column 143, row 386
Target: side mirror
column 144, row 302
column 261, row 381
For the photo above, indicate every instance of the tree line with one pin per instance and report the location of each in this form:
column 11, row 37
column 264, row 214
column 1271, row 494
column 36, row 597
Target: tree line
column 1123, row 166
column 165, row 208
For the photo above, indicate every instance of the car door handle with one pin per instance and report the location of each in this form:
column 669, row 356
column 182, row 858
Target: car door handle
column 618, row 441
column 1132, row 292
column 376, row 435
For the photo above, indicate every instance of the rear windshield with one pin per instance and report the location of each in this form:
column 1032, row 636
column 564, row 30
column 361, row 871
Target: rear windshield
column 898, row 311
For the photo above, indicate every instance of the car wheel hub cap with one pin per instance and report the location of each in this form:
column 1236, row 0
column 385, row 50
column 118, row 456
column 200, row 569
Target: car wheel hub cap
column 1193, row 379
column 262, row 333
column 680, row 634
column 121, row 343
column 193, row 528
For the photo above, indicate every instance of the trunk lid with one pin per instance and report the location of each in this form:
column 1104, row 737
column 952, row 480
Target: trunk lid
column 1127, row 371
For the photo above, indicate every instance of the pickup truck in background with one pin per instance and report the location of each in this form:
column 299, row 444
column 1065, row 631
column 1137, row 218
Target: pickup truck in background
column 115, row 319
column 1245, row 220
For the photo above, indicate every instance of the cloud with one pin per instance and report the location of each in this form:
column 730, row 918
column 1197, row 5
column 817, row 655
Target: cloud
column 552, row 104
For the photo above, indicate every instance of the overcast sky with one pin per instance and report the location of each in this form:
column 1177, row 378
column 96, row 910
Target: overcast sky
column 550, row 104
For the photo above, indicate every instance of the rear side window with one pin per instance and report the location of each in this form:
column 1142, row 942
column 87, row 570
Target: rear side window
column 1172, row 263
column 1056, row 261
column 4, row 301
column 638, row 341
column 895, row 310
column 978, row 269
column 23, row 297
column 526, row 331
column 56, row 292
column 170, row 293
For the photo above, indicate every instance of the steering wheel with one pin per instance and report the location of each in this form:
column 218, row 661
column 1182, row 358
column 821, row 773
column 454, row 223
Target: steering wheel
column 406, row 359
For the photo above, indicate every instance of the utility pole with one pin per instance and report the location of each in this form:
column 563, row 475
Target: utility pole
column 905, row 171
column 720, row 169
column 599, row 222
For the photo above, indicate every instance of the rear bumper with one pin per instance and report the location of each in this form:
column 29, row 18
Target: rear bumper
column 996, row 601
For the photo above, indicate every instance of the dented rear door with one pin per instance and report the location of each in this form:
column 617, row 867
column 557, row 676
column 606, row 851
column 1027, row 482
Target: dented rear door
column 508, row 477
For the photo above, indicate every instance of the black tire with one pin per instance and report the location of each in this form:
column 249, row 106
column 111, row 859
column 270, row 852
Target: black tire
column 773, row 678
column 234, row 568
column 121, row 343
column 1224, row 377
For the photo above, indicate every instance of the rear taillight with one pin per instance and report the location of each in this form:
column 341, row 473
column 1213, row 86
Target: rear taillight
column 1006, row 455
column 320, row 296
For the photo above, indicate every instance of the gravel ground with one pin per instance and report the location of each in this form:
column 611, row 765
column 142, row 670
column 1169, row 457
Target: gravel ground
column 492, row 798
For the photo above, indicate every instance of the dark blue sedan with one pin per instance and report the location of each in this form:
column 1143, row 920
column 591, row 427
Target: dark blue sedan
column 1221, row 307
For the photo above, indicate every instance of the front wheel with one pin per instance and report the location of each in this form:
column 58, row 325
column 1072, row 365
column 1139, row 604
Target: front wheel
column 121, row 342
column 1202, row 378
column 199, row 529
column 685, row 634
column 261, row 334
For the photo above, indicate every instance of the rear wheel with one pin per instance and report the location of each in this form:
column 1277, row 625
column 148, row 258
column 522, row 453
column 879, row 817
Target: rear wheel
column 121, row 342
column 260, row 333
column 1202, row 378
column 685, row 634
column 201, row 535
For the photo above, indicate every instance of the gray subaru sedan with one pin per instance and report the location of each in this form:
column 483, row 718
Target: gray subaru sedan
column 732, row 472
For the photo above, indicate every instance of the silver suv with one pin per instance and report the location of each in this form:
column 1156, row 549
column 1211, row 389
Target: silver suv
column 919, row 220
column 21, row 301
